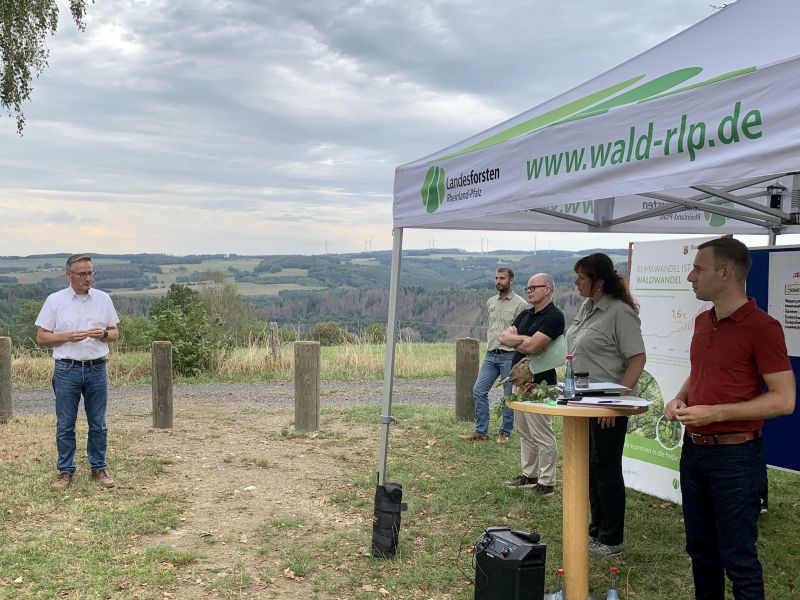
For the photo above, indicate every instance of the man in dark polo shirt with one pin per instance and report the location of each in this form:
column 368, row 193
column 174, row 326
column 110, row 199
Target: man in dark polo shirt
column 740, row 375
column 531, row 332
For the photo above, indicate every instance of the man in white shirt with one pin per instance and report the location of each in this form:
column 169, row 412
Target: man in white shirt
column 78, row 322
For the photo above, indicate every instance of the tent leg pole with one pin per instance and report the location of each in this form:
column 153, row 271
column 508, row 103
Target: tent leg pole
column 388, row 370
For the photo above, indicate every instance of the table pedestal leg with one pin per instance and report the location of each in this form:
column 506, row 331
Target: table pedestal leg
column 576, row 507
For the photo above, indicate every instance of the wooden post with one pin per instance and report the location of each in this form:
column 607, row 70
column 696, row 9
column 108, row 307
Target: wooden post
column 275, row 340
column 307, row 381
column 5, row 379
column 467, row 364
column 162, row 384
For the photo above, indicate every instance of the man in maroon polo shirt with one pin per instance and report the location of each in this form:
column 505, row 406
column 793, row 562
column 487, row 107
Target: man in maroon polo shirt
column 740, row 375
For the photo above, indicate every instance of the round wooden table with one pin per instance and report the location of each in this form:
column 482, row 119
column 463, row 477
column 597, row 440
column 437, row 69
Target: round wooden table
column 576, row 485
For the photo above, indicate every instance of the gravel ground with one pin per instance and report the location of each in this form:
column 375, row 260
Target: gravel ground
column 136, row 399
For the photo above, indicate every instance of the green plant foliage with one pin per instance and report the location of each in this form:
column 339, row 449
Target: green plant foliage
column 328, row 333
column 22, row 329
column 375, row 333
column 186, row 331
column 224, row 304
column 136, row 333
column 540, row 392
column 289, row 334
column 24, row 27
column 179, row 296
column 180, row 317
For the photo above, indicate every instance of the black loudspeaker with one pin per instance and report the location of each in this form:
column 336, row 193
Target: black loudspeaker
column 509, row 565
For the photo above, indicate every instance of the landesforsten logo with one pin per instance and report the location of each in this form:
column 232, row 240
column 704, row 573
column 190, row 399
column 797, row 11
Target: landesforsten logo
column 433, row 189
column 716, row 220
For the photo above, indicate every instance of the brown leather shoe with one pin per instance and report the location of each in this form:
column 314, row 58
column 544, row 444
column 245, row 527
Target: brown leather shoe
column 63, row 481
column 502, row 438
column 474, row 437
column 103, row 478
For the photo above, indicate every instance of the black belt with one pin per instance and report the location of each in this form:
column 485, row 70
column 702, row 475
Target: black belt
column 714, row 439
column 82, row 363
column 502, row 351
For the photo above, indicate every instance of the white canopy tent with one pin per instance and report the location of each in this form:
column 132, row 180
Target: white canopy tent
column 698, row 135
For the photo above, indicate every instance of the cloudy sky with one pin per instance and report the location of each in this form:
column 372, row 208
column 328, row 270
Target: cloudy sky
column 264, row 126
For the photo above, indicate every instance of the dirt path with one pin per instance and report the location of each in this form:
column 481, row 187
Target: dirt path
column 259, row 498
column 256, row 494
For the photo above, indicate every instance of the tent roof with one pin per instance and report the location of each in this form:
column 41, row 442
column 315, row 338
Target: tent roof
column 683, row 138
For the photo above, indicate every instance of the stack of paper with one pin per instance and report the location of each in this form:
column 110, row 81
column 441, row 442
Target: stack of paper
column 611, row 402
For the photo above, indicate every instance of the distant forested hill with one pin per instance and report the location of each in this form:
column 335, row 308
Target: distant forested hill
column 443, row 293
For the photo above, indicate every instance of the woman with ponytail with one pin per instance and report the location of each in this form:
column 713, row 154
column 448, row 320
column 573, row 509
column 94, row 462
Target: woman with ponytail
column 605, row 340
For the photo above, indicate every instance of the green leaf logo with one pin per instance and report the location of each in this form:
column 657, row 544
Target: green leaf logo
column 676, row 484
column 717, row 220
column 433, row 189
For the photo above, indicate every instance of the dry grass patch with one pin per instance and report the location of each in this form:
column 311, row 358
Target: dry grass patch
column 349, row 362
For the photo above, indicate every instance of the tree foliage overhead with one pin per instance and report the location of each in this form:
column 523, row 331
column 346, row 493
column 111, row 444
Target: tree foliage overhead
column 24, row 27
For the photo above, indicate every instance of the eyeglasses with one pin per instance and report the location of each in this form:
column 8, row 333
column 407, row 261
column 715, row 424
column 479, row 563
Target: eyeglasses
column 532, row 288
column 85, row 273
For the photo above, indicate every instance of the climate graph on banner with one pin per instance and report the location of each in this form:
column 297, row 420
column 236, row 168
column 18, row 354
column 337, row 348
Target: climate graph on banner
column 685, row 323
column 681, row 327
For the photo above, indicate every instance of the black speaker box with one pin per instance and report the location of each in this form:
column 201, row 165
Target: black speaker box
column 509, row 565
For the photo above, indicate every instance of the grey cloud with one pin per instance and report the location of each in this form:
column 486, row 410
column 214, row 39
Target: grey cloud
column 219, row 106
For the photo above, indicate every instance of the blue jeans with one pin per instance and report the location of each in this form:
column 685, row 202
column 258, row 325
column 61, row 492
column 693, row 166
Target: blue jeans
column 721, row 487
column 495, row 364
column 69, row 383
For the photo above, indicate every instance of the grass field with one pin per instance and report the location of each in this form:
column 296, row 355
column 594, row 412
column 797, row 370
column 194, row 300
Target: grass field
column 150, row 537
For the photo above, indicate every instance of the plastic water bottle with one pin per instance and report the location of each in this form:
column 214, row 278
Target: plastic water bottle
column 613, row 594
column 559, row 594
column 569, row 378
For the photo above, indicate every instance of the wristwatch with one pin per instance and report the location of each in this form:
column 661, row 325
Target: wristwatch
column 105, row 333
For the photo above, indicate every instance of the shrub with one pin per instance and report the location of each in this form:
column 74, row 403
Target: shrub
column 224, row 304
column 328, row 333
column 409, row 334
column 180, row 317
column 289, row 335
column 135, row 333
column 22, row 329
column 375, row 333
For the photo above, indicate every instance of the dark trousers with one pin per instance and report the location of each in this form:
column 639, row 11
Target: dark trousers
column 606, row 484
column 721, row 488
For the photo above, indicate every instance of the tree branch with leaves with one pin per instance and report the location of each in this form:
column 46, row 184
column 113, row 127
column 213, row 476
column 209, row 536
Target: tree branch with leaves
column 24, row 27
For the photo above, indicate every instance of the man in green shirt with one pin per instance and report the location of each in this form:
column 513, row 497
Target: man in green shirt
column 503, row 309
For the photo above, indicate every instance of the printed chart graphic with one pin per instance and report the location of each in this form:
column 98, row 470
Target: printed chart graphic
column 667, row 309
